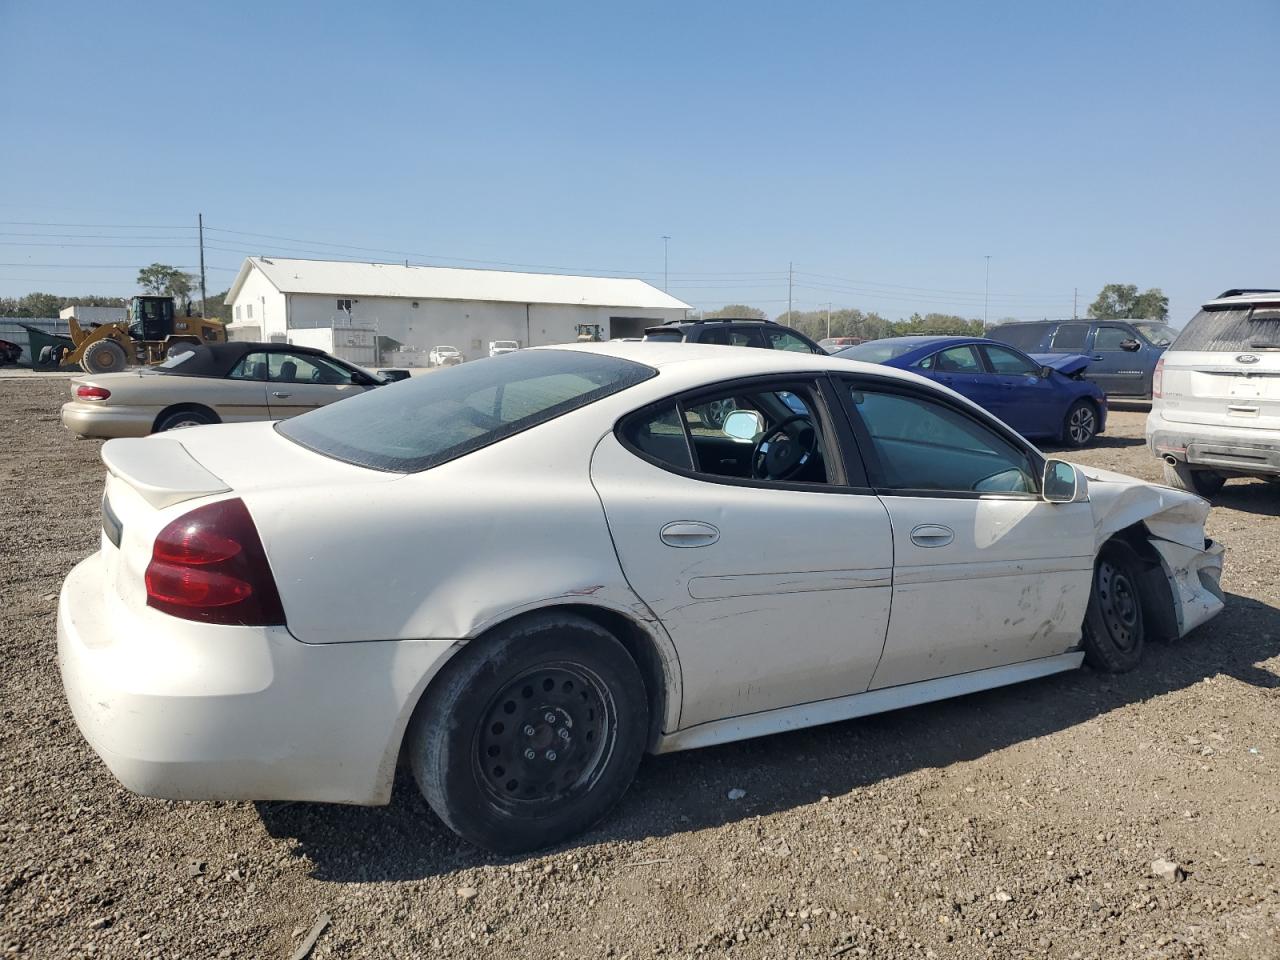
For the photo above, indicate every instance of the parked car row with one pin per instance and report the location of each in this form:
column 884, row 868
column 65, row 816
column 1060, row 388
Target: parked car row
column 708, row 545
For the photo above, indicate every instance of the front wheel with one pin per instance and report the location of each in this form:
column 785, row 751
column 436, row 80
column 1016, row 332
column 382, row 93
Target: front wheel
column 1204, row 483
column 531, row 734
column 1081, row 424
column 1114, row 628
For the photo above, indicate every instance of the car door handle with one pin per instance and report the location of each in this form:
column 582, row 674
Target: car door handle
column 689, row 533
column 277, row 393
column 932, row 535
column 1097, row 356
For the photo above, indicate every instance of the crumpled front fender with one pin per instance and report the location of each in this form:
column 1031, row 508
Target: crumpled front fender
column 1174, row 521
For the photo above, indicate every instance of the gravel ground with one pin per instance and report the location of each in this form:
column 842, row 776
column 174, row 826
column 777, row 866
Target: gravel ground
column 1021, row 822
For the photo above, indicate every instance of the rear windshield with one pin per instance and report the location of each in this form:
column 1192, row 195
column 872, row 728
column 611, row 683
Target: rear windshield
column 1252, row 327
column 425, row 421
column 1024, row 336
column 670, row 336
column 878, row 351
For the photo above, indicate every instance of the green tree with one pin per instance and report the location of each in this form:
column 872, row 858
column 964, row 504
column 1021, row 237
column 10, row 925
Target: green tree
column 1121, row 300
column 735, row 310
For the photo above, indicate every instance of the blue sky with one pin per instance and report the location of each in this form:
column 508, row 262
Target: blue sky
column 883, row 148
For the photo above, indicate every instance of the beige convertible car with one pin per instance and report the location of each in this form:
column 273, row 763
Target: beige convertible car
column 217, row 383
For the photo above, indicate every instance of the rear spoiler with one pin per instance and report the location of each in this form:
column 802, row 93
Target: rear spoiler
column 161, row 470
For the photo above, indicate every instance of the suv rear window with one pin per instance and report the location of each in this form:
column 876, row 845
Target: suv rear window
column 1246, row 327
column 1024, row 336
column 426, row 421
column 666, row 336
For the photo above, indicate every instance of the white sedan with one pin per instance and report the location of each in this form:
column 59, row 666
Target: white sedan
column 520, row 574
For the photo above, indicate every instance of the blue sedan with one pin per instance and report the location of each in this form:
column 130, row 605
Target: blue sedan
column 1039, row 396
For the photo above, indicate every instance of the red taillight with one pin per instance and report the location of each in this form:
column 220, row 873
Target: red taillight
column 1157, row 379
column 92, row 393
column 209, row 565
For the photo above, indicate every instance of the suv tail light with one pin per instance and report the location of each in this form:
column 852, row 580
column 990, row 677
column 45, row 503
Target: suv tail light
column 1157, row 379
column 209, row 565
column 92, row 393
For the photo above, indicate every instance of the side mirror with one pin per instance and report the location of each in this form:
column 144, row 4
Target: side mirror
column 1063, row 483
column 1131, row 345
column 1046, row 372
column 742, row 425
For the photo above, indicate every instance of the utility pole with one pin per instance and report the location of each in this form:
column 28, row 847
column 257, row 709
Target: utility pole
column 828, row 319
column 790, row 267
column 986, row 294
column 203, row 293
column 1075, row 303
column 666, row 241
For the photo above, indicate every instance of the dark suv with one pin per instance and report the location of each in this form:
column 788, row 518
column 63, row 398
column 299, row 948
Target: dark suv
column 735, row 332
column 1124, row 352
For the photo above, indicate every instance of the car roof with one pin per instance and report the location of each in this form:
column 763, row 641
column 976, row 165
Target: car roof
column 217, row 359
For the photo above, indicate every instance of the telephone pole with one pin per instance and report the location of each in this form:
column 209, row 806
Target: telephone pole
column 1075, row 303
column 986, row 294
column 790, row 267
column 666, row 241
column 203, row 294
column 828, row 320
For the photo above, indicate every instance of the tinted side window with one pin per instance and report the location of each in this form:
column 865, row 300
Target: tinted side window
column 1024, row 336
column 1109, row 338
column 1070, row 337
column 252, row 366
column 660, row 435
column 786, row 340
column 1009, row 363
column 923, row 445
column 957, row 360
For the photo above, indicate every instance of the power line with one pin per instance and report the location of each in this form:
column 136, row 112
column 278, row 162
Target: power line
column 99, row 226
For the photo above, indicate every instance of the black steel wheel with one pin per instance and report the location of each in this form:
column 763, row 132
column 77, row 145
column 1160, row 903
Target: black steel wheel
column 546, row 737
column 531, row 733
column 1081, row 424
column 1114, row 627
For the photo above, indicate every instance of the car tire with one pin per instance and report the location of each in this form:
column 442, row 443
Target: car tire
column 531, row 733
column 179, row 419
column 1203, row 483
column 1080, row 425
column 105, row 356
column 1114, row 628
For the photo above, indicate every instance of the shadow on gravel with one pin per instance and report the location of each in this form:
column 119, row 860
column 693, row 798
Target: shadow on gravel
column 1103, row 442
column 1257, row 497
column 684, row 792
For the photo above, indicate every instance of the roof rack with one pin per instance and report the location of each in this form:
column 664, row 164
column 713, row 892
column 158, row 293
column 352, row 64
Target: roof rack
column 734, row 320
column 1242, row 292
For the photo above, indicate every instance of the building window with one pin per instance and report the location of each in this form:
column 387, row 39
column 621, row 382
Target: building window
column 248, row 310
column 237, row 311
column 344, row 306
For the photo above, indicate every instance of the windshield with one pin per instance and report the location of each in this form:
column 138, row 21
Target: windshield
column 1160, row 334
column 878, row 351
column 1243, row 327
column 423, row 422
column 671, row 336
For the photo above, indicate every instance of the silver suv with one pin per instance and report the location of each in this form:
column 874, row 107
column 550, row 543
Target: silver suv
column 1215, row 409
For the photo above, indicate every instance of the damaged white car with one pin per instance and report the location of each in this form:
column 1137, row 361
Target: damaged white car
column 520, row 574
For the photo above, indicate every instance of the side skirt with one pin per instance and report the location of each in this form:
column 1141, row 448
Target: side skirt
column 862, row 704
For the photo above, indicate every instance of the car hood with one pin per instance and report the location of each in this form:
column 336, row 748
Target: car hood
column 1120, row 501
column 1064, row 363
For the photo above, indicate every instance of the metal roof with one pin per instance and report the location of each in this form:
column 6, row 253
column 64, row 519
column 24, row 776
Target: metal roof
column 342, row 278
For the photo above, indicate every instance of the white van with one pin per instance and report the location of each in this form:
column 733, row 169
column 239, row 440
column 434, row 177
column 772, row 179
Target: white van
column 1215, row 408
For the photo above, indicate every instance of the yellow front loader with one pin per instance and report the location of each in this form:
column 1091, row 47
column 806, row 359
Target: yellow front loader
column 149, row 335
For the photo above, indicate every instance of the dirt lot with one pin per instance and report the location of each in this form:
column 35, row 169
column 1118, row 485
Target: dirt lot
column 1016, row 823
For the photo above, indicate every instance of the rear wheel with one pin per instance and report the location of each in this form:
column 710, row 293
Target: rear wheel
column 1081, row 424
column 105, row 356
column 1114, row 629
column 178, row 419
column 1204, row 483
column 531, row 734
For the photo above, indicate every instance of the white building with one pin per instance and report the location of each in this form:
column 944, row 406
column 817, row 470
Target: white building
column 83, row 315
column 341, row 306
